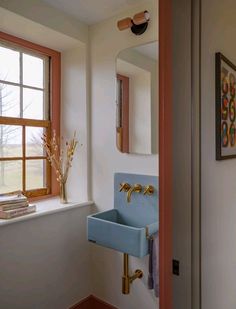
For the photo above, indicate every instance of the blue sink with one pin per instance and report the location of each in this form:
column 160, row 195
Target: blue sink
column 123, row 228
column 110, row 230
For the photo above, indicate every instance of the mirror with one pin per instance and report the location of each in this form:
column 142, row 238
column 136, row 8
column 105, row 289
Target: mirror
column 137, row 99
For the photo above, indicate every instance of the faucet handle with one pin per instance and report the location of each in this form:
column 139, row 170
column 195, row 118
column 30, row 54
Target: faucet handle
column 137, row 188
column 125, row 187
column 149, row 190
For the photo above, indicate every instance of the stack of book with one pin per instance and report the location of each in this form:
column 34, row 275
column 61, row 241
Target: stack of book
column 14, row 205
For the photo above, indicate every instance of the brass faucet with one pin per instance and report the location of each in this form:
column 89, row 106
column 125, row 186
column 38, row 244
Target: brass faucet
column 136, row 188
column 124, row 187
column 149, row 190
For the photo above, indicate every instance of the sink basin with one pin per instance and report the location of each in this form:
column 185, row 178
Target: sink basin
column 123, row 228
column 111, row 230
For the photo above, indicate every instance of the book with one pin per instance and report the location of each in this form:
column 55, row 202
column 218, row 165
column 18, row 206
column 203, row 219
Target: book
column 14, row 197
column 14, row 205
column 14, row 213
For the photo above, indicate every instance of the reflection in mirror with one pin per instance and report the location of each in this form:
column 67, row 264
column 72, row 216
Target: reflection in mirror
column 136, row 99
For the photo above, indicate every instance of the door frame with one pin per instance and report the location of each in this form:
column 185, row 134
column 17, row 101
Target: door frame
column 196, row 154
column 165, row 153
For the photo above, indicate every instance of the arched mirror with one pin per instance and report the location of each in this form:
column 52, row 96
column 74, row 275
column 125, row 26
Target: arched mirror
column 137, row 100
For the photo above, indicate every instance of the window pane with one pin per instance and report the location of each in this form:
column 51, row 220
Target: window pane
column 9, row 100
column 10, row 141
column 9, row 65
column 35, row 174
column 33, row 71
column 34, row 141
column 10, row 176
column 33, row 104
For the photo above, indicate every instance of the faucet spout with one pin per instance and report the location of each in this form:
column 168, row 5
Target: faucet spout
column 129, row 193
column 136, row 188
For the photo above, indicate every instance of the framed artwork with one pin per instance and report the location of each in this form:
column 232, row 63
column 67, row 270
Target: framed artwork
column 225, row 108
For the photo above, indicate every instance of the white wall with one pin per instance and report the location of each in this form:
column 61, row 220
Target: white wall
column 45, row 262
column 218, row 178
column 74, row 117
column 106, row 42
column 41, row 13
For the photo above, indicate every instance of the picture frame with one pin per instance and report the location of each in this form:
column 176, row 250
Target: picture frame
column 225, row 108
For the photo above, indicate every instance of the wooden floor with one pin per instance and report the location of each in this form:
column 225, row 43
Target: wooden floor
column 92, row 302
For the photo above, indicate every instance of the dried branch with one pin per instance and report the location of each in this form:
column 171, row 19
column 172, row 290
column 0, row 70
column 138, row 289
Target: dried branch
column 61, row 161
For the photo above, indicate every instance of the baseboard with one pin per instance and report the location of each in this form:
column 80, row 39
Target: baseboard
column 92, row 302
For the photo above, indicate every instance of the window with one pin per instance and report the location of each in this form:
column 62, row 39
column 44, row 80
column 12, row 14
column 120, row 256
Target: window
column 122, row 113
column 29, row 107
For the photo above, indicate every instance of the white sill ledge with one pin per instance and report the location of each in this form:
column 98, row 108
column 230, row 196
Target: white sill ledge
column 46, row 207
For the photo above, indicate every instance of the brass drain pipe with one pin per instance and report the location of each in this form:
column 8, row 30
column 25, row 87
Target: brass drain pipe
column 126, row 279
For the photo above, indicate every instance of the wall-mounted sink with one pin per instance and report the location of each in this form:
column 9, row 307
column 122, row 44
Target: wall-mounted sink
column 111, row 230
column 124, row 227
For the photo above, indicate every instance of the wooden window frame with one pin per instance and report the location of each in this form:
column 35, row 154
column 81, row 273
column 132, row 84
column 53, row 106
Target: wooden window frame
column 122, row 131
column 54, row 100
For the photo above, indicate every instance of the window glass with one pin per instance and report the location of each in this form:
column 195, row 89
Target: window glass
column 9, row 65
column 33, row 71
column 34, row 146
column 10, row 176
column 35, row 174
column 33, row 105
column 10, row 141
column 9, row 100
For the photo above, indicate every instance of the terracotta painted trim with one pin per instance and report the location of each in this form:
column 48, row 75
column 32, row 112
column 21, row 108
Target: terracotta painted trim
column 165, row 154
column 125, row 113
column 55, row 87
column 27, row 44
column 55, row 93
column 92, row 302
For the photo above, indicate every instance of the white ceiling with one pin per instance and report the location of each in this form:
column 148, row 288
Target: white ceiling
column 93, row 11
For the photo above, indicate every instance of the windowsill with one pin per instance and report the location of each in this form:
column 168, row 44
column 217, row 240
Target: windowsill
column 46, row 207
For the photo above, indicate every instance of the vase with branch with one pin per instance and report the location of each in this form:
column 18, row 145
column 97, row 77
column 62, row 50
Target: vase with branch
column 60, row 157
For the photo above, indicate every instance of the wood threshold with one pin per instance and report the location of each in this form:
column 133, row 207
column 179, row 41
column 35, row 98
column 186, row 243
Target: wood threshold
column 92, row 302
